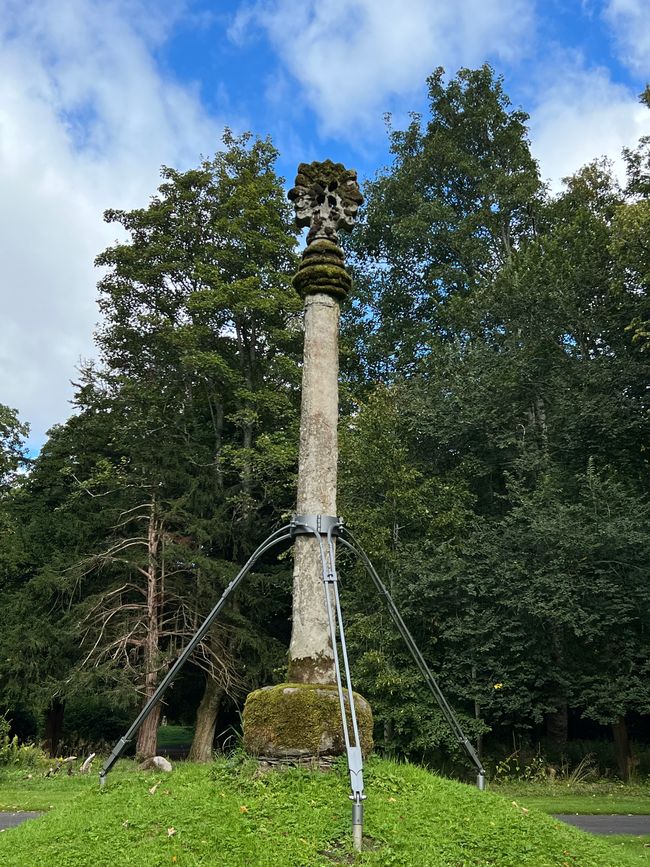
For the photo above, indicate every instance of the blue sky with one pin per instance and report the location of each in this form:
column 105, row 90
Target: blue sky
column 96, row 94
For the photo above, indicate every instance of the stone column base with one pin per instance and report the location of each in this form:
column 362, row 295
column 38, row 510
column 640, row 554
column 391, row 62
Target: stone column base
column 301, row 722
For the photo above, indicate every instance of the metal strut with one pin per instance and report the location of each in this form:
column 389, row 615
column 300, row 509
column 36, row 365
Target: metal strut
column 329, row 526
column 430, row 680
column 281, row 535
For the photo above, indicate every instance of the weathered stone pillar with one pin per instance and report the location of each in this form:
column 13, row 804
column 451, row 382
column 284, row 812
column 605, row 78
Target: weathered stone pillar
column 290, row 721
column 326, row 197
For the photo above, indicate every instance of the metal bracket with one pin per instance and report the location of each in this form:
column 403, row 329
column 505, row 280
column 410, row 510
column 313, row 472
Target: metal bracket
column 307, row 525
column 355, row 767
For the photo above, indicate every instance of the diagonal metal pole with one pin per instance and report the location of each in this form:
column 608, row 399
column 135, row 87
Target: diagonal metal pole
column 279, row 536
column 430, row 680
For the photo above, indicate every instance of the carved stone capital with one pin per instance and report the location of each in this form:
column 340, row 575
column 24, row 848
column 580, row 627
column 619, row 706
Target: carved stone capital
column 326, row 197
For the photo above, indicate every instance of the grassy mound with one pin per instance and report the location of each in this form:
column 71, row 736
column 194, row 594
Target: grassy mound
column 227, row 814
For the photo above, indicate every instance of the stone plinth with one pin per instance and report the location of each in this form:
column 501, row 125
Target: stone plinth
column 301, row 722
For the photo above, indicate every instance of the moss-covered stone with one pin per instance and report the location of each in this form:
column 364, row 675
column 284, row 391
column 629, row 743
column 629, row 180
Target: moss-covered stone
column 326, row 197
column 322, row 270
column 322, row 278
column 301, row 721
column 323, row 246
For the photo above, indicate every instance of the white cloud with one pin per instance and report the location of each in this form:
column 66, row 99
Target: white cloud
column 583, row 115
column 86, row 120
column 630, row 23
column 352, row 57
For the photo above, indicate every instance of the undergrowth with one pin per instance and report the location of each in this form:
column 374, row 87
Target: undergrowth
column 15, row 754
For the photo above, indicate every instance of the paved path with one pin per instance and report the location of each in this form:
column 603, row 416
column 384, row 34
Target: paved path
column 10, row 820
column 608, row 824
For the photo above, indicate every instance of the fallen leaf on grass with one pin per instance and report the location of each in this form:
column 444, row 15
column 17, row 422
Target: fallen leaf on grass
column 392, row 800
column 152, row 790
column 243, row 809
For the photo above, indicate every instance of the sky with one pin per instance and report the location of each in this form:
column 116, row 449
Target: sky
column 96, row 95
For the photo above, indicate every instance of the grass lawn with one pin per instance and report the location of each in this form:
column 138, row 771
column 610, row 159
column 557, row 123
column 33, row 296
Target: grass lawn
column 601, row 798
column 174, row 736
column 589, row 798
column 226, row 815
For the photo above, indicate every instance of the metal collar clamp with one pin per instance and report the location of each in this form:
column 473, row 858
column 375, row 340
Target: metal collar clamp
column 303, row 525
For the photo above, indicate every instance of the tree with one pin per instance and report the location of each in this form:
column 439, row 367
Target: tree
column 52, row 529
column 457, row 202
column 199, row 372
column 514, row 386
column 12, row 450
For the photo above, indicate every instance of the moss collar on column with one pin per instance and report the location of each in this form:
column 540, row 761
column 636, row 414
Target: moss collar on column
column 322, row 270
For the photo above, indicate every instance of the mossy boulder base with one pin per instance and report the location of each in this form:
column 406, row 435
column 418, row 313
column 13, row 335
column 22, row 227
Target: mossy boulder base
column 301, row 721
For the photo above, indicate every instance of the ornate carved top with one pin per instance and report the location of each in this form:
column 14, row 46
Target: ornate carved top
column 326, row 197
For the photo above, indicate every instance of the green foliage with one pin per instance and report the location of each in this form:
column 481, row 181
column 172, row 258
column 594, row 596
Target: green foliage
column 497, row 476
column 12, row 450
column 14, row 754
column 458, row 200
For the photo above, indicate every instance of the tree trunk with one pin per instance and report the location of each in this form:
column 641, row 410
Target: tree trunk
column 53, row 727
column 622, row 749
column 477, row 715
column 206, row 722
column 148, row 735
column 557, row 725
column 310, row 651
column 147, row 743
column 557, row 721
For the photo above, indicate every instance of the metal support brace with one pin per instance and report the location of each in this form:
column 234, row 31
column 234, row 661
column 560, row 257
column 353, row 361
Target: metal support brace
column 274, row 539
column 351, row 543
column 325, row 528
column 305, row 525
column 328, row 526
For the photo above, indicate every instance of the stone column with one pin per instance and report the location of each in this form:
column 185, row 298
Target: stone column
column 310, row 652
column 326, row 197
column 301, row 719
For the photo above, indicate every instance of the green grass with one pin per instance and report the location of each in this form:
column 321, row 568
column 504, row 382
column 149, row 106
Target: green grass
column 175, row 736
column 226, row 814
column 588, row 798
column 636, row 845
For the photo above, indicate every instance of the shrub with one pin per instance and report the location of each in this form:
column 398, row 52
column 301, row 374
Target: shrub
column 14, row 753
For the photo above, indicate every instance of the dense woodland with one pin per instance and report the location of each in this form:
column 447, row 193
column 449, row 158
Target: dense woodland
column 495, row 436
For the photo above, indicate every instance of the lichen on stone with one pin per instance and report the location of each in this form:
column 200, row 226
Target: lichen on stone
column 301, row 721
column 322, row 270
column 326, row 196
